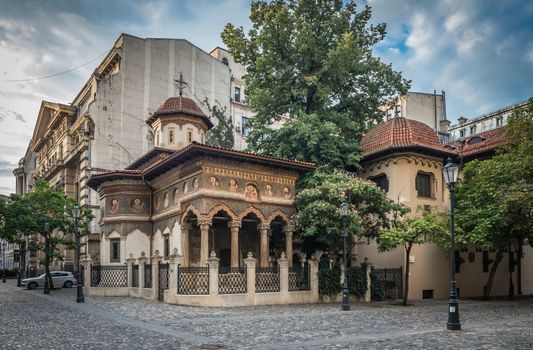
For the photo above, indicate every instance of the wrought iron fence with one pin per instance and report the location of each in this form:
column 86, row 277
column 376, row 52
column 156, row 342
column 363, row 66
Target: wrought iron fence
column 147, row 276
column 164, row 277
column 266, row 279
column 193, row 280
column 388, row 283
column 109, row 276
column 299, row 278
column 135, row 276
column 231, row 280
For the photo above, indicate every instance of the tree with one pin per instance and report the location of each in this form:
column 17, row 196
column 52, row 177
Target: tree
column 25, row 217
column 221, row 135
column 311, row 62
column 319, row 203
column 495, row 200
column 407, row 231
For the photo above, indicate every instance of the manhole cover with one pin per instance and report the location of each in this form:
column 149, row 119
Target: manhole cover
column 211, row 346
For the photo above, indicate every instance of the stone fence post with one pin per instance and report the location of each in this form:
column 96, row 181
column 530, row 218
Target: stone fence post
column 250, row 262
column 212, row 263
column 130, row 261
column 156, row 259
column 313, row 271
column 142, row 262
column 284, row 278
column 87, row 267
column 175, row 260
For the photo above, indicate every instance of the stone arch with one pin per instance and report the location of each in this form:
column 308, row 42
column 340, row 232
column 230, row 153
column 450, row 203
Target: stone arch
column 189, row 209
column 279, row 213
column 222, row 207
column 253, row 210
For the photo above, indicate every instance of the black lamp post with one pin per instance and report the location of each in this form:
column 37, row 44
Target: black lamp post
column 46, row 231
column 450, row 172
column 3, row 262
column 79, row 277
column 345, row 290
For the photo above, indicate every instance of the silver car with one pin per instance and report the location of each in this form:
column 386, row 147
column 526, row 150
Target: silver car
column 60, row 279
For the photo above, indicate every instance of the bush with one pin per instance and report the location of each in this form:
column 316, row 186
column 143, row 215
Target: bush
column 357, row 281
column 329, row 282
column 377, row 290
column 9, row 273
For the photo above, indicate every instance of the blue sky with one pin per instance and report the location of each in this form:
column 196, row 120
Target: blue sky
column 479, row 52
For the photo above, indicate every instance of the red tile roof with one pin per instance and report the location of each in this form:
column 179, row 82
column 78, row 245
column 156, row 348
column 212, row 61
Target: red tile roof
column 179, row 105
column 493, row 139
column 399, row 133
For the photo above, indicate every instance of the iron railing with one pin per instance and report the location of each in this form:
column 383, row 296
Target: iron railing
column 147, row 276
column 135, row 276
column 164, row 279
column 231, row 280
column 266, row 279
column 299, row 278
column 109, row 276
column 390, row 282
column 193, row 280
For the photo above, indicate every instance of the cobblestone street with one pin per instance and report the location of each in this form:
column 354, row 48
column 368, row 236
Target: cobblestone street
column 32, row 320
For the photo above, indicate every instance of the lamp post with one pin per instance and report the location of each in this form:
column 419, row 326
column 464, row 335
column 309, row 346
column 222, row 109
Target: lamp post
column 46, row 230
column 345, row 290
column 79, row 278
column 3, row 262
column 450, row 172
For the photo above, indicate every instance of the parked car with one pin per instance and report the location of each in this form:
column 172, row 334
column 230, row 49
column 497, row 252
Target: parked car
column 60, row 279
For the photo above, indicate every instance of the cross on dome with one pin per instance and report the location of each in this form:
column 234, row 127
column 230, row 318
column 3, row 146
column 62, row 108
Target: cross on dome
column 180, row 84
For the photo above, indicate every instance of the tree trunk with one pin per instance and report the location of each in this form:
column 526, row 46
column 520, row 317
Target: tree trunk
column 511, row 265
column 492, row 273
column 406, row 277
column 47, row 265
column 519, row 266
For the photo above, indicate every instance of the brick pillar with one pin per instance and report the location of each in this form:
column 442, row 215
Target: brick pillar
column 213, row 262
column 250, row 262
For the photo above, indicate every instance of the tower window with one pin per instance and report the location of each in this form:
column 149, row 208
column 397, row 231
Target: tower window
column 472, row 130
column 225, row 60
column 381, row 181
column 237, row 94
column 499, row 121
column 189, row 135
column 423, row 185
column 171, row 136
column 115, row 250
column 166, row 247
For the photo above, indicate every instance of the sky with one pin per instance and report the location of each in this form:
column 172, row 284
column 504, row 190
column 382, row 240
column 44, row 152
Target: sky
column 479, row 52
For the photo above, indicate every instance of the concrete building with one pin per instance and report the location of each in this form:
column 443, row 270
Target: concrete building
column 103, row 128
column 466, row 128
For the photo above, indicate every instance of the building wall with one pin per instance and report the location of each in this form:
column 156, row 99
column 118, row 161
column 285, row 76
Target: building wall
column 427, row 108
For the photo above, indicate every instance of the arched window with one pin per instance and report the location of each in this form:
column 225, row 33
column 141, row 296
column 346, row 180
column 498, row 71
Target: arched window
column 381, row 181
column 225, row 61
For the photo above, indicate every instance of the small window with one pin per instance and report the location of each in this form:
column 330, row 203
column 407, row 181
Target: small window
column 472, row 130
column 237, row 94
column 189, row 135
column 462, row 133
column 115, row 250
column 427, row 294
column 225, row 61
column 499, row 121
column 245, row 126
column 423, row 185
column 171, row 136
column 381, row 181
column 166, row 247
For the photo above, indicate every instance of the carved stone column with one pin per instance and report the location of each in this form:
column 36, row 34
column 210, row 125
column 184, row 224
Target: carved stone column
column 234, row 227
column 263, row 254
column 205, row 224
column 289, row 230
column 185, row 233
column 130, row 261
column 250, row 278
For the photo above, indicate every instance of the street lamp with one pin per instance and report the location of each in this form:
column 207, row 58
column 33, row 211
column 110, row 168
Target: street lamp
column 79, row 278
column 46, row 230
column 450, row 172
column 345, row 292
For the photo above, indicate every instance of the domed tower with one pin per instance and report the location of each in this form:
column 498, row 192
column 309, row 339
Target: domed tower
column 178, row 122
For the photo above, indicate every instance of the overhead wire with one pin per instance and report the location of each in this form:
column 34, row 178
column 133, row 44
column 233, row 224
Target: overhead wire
column 54, row 74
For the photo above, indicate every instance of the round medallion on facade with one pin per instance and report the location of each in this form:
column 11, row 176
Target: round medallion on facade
column 287, row 193
column 137, row 205
column 213, row 182
column 268, row 190
column 250, row 193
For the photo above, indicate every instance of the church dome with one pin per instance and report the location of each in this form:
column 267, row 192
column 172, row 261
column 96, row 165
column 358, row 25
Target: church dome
column 182, row 106
column 401, row 134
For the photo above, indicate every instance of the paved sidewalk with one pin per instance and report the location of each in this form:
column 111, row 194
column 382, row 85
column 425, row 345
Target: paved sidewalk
column 32, row 320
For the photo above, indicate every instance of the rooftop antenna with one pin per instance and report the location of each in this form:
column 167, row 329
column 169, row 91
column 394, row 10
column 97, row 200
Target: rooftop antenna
column 180, row 84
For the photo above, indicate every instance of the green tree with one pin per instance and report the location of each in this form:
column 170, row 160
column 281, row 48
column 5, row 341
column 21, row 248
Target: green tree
column 319, row 208
column 25, row 217
column 311, row 61
column 221, row 135
column 407, row 231
column 495, row 200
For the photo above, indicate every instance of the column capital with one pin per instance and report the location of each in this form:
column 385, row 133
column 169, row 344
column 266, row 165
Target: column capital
column 205, row 221
column 250, row 261
column 263, row 227
column 234, row 223
column 288, row 229
column 131, row 259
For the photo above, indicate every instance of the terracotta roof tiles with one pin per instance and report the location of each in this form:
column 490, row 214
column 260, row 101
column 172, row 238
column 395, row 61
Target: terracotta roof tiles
column 179, row 105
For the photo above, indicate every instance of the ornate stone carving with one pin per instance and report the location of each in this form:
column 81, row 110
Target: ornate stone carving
column 213, row 182
column 137, row 205
column 287, row 193
column 114, row 206
column 268, row 190
column 251, row 194
column 233, row 186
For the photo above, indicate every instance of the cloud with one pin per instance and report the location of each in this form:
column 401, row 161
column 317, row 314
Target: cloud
column 6, row 168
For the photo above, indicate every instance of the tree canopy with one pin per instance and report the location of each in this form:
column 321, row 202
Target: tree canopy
column 311, row 62
column 221, row 135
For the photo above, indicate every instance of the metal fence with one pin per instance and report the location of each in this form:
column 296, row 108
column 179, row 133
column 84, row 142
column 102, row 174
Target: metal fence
column 164, row 279
column 147, row 276
column 109, row 276
column 135, row 276
column 388, row 283
column 299, row 279
column 266, row 279
column 231, row 280
column 193, row 280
